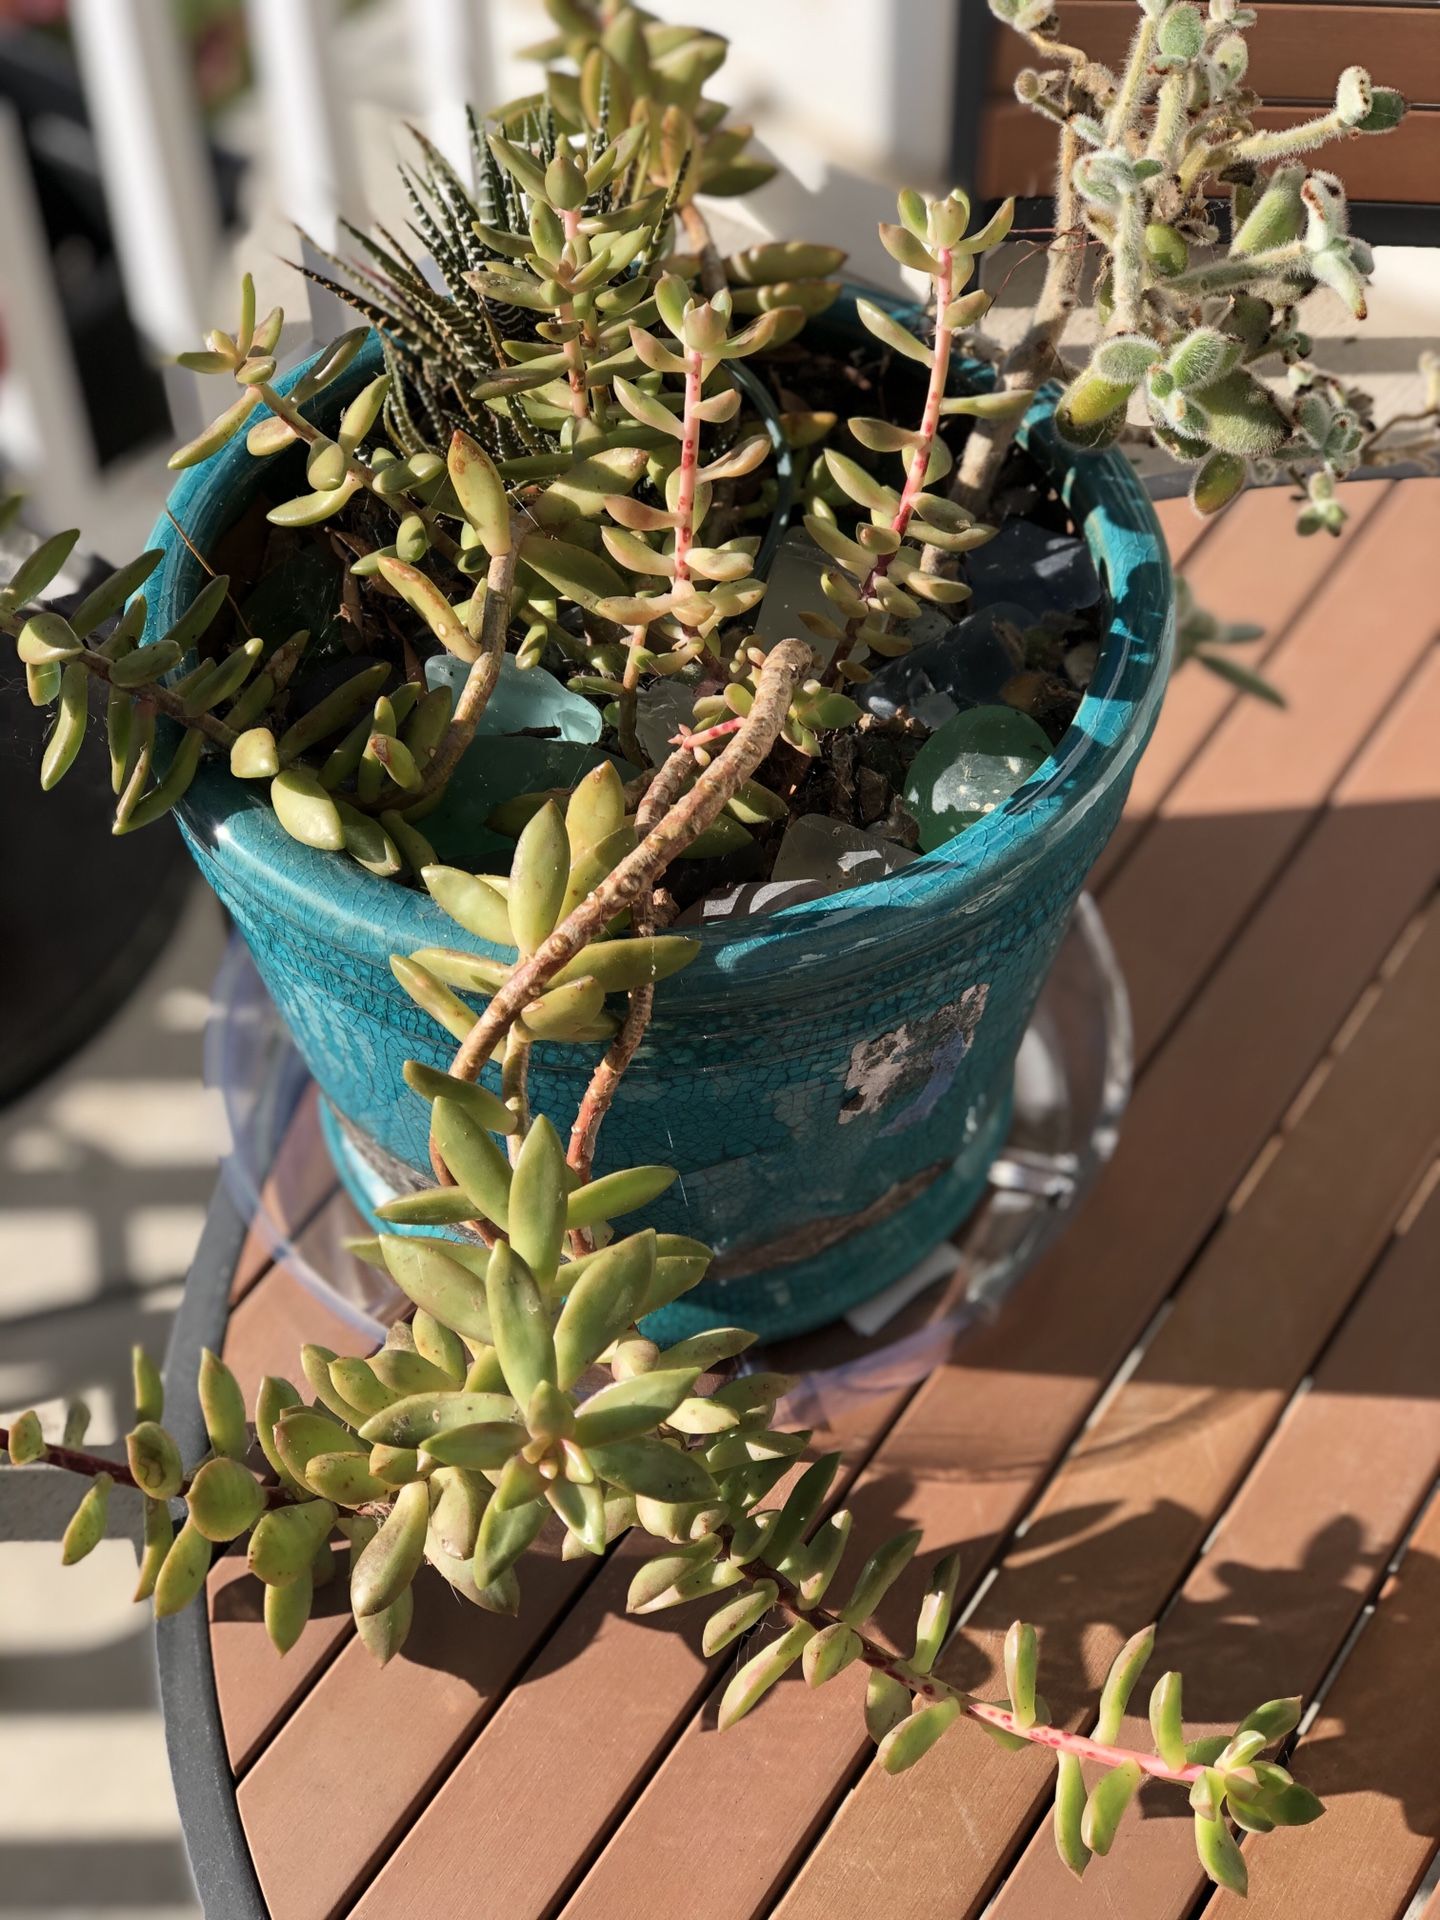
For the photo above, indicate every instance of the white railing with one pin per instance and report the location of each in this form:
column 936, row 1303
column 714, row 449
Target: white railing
column 841, row 91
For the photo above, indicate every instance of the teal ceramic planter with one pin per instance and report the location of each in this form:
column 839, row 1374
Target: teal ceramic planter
column 832, row 1081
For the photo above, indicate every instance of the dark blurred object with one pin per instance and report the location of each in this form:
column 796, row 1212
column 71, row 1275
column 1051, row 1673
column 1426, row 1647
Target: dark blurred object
column 124, row 394
column 83, row 915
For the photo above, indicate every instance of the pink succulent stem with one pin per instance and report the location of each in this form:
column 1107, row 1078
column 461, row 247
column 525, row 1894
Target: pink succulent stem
column 689, row 465
column 1063, row 1741
column 926, row 1688
column 90, row 1465
column 706, row 735
column 924, row 447
column 929, row 420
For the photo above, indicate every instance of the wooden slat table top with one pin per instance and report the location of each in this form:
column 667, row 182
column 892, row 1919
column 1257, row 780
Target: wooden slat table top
column 1215, row 1403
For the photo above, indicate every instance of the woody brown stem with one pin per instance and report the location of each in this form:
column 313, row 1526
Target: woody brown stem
column 665, row 790
column 163, row 699
column 681, row 823
column 628, row 703
column 1031, row 359
column 481, row 680
column 515, row 1087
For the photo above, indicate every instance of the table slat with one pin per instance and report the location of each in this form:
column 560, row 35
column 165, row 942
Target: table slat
column 1371, row 1757
column 255, row 1687
column 1230, row 822
column 1130, row 1509
column 1269, row 1605
column 348, row 1772
column 1234, row 575
column 1296, row 51
column 1208, row 1104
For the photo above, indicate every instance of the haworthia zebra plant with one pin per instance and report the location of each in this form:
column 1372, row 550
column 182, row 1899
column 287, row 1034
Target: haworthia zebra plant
column 563, row 459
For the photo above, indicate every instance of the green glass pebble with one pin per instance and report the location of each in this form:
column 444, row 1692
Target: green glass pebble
column 497, row 770
column 525, row 698
column 969, row 766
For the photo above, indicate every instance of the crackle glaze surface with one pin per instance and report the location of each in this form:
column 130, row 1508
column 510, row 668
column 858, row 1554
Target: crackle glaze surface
column 831, row 1081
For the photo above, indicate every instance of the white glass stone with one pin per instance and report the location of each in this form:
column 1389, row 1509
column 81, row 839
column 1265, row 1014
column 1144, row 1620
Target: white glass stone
column 837, row 855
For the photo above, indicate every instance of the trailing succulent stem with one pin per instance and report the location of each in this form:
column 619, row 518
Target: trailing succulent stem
column 479, row 1422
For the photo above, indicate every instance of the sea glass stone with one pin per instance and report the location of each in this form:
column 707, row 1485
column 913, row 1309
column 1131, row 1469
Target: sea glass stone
column 300, row 589
column 661, row 709
column 832, row 854
column 495, row 769
column 968, row 767
column 524, row 700
column 1042, row 570
column 794, row 588
column 965, row 667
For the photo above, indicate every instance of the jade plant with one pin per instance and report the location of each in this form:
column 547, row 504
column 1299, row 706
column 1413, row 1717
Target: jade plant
column 583, row 424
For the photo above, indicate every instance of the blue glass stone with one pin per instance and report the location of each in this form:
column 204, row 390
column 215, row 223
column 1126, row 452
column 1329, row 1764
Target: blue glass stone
column 525, row 699
column 495, row 769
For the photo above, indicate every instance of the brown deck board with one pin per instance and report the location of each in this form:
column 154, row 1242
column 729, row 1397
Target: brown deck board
column 971, row 1466
column 1184, row 529
column 1233, row 574
column 318, row 1834
column 1268, row 1607
column 1372, row 1755
column 271, row 1324
column 1296, row 50
column 255, row 1688
column 1262, row 876
column 1228, row 825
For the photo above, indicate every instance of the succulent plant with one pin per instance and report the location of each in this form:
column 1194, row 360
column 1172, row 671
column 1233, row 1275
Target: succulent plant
column 1190, row 318
column 1198, row 635
column 521, row 1393
column 563, row 455
column 567, row 457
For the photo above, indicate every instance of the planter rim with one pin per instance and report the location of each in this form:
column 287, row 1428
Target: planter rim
column 341, row 902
